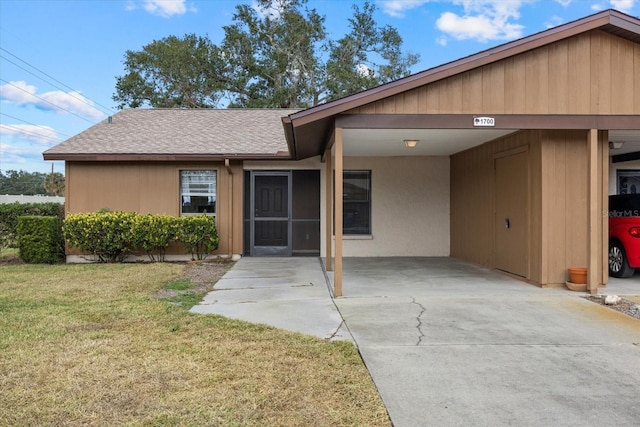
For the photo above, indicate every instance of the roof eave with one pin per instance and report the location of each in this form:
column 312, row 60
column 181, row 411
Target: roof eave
column 109, row 157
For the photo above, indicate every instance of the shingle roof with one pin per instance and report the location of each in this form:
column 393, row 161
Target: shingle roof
column 179, row 133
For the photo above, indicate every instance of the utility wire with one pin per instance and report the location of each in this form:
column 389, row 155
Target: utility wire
column 109, row 110
column 71, row 94
column 48, row 102
column 33, row 124
column 26, row 132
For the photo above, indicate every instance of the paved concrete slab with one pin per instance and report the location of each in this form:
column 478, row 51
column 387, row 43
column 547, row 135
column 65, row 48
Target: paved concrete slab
column 449, row 343
column 288, row 293
column 479, row 348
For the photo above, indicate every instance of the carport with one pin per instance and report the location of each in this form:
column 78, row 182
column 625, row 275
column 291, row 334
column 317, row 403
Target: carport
column 522, row 132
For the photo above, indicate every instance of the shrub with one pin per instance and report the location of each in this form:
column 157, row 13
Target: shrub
column 108, row 236
column 154, row 234
column 10, row 212
column 39, row 239
column 198, row 234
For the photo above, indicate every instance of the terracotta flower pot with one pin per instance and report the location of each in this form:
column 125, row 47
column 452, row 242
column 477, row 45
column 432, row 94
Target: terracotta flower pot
column 578, row 275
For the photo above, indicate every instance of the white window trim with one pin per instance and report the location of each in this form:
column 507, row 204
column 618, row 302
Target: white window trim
column 188, row 194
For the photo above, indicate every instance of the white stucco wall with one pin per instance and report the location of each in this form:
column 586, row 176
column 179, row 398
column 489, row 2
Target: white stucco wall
column 409, row 204
column 613, row 167
column 409, row 207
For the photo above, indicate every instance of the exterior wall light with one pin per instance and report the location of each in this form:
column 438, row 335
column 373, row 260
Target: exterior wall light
column 615, row 145
column 411, row 143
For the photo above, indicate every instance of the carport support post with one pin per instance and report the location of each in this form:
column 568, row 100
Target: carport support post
column 337, row 274
column 328, row 208
column 595, row 217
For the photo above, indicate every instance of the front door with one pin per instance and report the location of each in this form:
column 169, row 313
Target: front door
column 271, row 213
column 511, row 213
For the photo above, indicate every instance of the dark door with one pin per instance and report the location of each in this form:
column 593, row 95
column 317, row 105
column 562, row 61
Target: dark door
column 271, row 213
column 511, row 213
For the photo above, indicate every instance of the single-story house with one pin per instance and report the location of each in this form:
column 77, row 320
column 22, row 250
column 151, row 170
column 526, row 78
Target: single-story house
column 501, row 159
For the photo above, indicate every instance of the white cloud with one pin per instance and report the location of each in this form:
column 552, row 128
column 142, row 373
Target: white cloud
column 44, row 135
column 272, row 12
column 483, row 20
column 364, row 71
column 397, row 8
column 597, row 7
column 163, row 8
column 564, row 3
column 622, row 5
column 22, row 94
column 554, row 21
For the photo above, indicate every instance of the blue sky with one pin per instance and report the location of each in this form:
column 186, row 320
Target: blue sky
column 59, row 59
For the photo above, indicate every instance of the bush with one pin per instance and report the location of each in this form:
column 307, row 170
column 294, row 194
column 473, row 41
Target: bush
column 107, row 236
column 154, row 234
column 10, row 212
column 39, row 239
column 198, row 234
column 110, row 236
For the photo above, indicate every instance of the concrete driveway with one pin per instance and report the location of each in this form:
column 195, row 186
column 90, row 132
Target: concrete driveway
column 448, row 343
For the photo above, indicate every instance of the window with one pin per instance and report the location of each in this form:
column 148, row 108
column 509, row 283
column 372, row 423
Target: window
column 197, row 192
column 356, row 202
column 628, row 181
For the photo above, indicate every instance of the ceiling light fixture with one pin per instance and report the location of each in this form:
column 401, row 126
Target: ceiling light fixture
column 411, row 143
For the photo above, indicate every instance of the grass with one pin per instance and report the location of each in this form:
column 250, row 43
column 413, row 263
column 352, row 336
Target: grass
column 92, row 345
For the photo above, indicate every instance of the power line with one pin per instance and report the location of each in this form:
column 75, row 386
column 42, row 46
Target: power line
column 33, row 124
column 26, row 132
column 82, row 99
column 48, row 102
column 108, row 110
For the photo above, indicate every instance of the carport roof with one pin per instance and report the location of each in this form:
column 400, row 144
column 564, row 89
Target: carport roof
column 309, row 131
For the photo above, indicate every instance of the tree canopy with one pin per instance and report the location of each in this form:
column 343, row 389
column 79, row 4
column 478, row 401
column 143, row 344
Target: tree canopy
column 31, row 183
column 274, row 55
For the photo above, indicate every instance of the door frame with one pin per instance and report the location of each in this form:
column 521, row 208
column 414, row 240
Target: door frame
column 524, row 149
column 270, row 250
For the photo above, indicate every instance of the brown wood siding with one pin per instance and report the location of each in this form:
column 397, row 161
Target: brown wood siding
column 565, row 172
column 472, row 200
column 592, row 73
column 148, row 187
column 558, row 202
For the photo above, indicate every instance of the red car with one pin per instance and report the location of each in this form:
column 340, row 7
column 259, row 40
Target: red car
column 624, row 234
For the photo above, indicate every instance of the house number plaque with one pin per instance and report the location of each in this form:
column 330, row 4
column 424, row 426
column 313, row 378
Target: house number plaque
column 484, row 121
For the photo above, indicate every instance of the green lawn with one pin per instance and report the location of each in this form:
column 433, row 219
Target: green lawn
column 93, row 345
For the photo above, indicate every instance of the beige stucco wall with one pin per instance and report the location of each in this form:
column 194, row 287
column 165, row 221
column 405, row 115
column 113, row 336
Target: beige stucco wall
column 409, row 202
column 409, row 207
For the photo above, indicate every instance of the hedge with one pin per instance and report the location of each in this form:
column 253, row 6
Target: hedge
column 10, row 212
column 112, row 236
column 39, row 239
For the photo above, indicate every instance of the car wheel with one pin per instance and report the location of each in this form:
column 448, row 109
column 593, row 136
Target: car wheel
column 618, row 265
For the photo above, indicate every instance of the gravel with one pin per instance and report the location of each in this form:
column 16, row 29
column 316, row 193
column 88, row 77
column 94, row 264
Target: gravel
column 625, row 306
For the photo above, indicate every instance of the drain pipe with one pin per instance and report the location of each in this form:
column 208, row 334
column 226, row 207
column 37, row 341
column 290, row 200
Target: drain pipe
column 230, row 198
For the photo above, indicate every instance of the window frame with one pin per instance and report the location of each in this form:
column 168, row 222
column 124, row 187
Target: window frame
column 632, row 175
column 367, row 201
column 181, row 194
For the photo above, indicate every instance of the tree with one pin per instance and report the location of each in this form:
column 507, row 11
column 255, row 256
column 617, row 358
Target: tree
column 275, row 54
column 171, row 72
column 366, row 57
column 54, row 183
column 21, row 182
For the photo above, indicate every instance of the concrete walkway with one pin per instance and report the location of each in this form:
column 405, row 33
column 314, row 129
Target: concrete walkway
column 288, row 293
column 448, row 343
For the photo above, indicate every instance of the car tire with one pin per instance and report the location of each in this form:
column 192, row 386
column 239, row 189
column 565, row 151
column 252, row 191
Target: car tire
column 618, row 265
